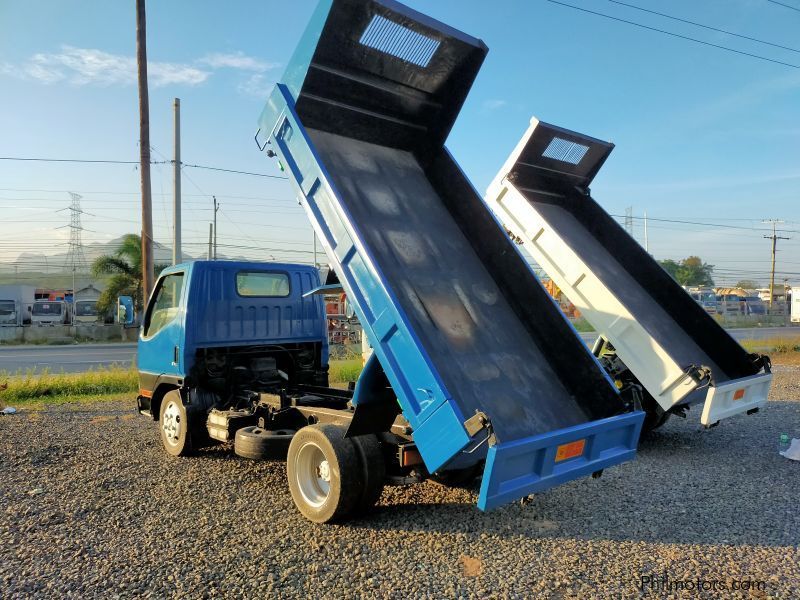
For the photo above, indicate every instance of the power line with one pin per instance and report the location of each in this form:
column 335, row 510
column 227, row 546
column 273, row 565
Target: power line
column 784, row 5
column 134, row 162
column 677, row 35
column 234, row 171
column 709, row 27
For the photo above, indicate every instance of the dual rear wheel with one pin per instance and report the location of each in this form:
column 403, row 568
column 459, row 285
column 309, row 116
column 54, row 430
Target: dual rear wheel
column 332, row 477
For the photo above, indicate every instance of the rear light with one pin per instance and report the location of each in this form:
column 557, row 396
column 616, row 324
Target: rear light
column 570, row 450
column 738, row 394
column 409, row 456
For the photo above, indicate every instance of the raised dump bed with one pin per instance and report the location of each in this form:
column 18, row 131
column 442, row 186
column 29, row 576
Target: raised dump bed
column 663, row 338
column 482, row 364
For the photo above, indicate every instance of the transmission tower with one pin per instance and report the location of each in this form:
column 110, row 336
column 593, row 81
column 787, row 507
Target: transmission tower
column 629, row 220
column 75, row 260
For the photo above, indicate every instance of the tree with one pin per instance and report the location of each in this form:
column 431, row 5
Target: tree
column 747, row 284
column 125, row 268
column 691, row 271
column 671, row 267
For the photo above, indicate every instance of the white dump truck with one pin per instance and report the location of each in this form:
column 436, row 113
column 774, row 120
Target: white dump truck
column 651, row 331
column 51, row 312
column 15, row 304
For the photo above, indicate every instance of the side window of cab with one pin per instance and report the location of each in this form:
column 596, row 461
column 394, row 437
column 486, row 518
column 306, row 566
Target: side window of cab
column 163, row 309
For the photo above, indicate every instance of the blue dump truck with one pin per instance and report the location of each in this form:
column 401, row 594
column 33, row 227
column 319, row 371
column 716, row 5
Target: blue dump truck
column 474, row 370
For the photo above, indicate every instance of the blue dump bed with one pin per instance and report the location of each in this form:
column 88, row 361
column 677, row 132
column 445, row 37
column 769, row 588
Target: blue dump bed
column 482, row 362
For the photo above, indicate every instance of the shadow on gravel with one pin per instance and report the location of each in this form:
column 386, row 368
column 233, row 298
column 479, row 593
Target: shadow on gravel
column 727, row 485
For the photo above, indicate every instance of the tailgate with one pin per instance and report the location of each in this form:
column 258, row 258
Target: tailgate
column 735, row 397
column 522, row 467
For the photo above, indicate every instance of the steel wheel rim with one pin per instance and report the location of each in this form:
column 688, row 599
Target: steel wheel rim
column 171, row 423
column 312, row 474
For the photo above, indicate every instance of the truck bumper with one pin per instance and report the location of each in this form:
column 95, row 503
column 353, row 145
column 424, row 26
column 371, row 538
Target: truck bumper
column 735, row 397
column 522, row 467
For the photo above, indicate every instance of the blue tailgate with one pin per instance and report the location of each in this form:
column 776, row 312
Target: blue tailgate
column 522, row 467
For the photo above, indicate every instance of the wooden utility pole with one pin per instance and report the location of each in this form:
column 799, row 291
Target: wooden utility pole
column 774, row 237
column 144, row 152
column 176, row 197
column 210, row 240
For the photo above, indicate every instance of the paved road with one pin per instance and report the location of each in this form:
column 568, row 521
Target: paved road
column 72, row 359
column 80, row 357
column 756, row 333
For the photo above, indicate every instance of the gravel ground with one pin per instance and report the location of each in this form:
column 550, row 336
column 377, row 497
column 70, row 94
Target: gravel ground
column 90, row 506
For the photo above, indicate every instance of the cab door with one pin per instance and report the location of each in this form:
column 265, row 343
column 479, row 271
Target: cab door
column 161, row 337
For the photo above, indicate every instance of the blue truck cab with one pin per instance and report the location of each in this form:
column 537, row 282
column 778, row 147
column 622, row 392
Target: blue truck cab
column 209, row 321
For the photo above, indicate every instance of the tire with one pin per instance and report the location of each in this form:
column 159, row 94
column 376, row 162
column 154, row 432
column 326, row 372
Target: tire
column 258, row 443
column 373, row 465
column 174, row 425
column 324, row 472
column 654, row 415
column 459, row 478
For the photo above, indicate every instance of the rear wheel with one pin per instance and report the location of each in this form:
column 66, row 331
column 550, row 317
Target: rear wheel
column 325, row 474
column 654, row 415
column 373, row 468
column 173, row 423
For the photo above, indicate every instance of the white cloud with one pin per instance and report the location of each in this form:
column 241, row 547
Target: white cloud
column 236, row 60
column 495, row 104
column 258, row 86
column 83, row 66
column 88, row 66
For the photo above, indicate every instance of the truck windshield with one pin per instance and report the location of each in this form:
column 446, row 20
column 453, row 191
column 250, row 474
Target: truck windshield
column 87, row 308
column 6, row 308
column 46, row 309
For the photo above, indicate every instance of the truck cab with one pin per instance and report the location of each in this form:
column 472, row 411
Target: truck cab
column 50, row 312
column 86, row 311
column 216, row 328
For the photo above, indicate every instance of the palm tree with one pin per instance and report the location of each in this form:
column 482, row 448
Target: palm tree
column 125, row 268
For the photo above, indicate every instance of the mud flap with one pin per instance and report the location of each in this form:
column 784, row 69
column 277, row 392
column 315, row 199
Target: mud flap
column 522, row 467
column 375, row 404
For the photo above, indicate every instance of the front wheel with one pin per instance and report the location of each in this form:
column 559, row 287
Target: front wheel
column 325, row 475
column 173, row 423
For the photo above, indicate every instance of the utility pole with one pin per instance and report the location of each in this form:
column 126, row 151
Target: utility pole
column 774, row 237
column 216, row 208
column 629, row 220
column 144, row 151
column 646, row 241
column 176, row 199
column 210, row 238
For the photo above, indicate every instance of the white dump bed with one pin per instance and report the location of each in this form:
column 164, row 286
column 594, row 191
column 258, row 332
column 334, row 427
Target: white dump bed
column 678, row 353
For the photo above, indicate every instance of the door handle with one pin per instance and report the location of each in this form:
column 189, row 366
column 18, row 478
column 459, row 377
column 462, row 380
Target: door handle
column 175, row 352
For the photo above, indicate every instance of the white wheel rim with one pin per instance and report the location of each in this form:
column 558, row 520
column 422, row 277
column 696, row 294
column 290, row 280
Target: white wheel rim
column 171, row 423
column 313, row 474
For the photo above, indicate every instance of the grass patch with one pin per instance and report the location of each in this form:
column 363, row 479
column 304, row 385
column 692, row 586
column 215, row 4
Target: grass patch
column 776, row 345
column 742, row 322
column 53, row 387
column 582, row 325
column 342, row 371
column 46, row 401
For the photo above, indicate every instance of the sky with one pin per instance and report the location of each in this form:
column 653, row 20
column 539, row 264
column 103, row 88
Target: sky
column 702, row 134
